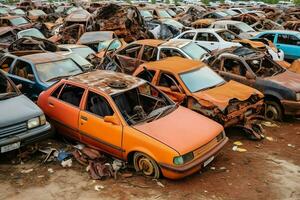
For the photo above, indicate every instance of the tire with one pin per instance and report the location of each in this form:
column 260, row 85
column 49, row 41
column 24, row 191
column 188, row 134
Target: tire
column 145, row 164
column 273, row 111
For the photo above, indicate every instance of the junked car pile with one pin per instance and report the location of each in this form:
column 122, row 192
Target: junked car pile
column 155, row 86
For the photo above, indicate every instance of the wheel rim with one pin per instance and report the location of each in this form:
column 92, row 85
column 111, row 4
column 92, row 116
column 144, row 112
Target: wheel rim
column 146, row 166
column 271, row 112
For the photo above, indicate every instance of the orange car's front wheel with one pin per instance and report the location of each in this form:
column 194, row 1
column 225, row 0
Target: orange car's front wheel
column 146, row 164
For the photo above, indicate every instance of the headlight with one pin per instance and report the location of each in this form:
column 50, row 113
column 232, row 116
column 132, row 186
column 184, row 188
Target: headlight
column 298, row 96
column 180, row 160
column 32, row 123
column 37, row 121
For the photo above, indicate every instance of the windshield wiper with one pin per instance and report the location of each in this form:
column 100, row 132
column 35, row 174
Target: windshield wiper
column 166, row 108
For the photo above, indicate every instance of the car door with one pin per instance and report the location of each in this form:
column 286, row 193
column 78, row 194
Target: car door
column 129, row 57
column 289, row 44
column 22, row 73
column 235, row 69
column 94, row 130
column 63, row 108
column 208, row 40
column 168, row 83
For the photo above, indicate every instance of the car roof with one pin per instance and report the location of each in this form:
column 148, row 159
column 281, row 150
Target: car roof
column 210, row 30
column 72, row 46
column 104, row 80
column 227, row 22
column 174, row 64
column 10, row 17
column 43, row 57
column 281, row 31
column 176, row 43
column 150, row 42
column 5, row 29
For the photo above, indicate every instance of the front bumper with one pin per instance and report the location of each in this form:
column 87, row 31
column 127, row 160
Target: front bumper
column 28, row 137
column 176, row 172
column 291, row 107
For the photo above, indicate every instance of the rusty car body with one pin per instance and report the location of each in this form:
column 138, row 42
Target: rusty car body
column 194, row 85
column 280, row 86
column 137, row 117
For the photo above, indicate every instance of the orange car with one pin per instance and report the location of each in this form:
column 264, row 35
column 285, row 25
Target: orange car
column 132, row 120
column 196, row 86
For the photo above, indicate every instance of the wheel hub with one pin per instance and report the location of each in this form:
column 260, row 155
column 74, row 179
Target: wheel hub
column 146, row 166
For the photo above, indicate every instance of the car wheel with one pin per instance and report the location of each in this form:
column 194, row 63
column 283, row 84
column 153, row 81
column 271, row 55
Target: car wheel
column 144, row 163
column 273, row 111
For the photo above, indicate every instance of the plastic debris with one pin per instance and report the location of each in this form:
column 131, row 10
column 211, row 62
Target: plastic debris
column 99, row 187
column 212, row 168
column 160, row 184
column 50, row 170
column 63, row 155
column 270, row 139
column 26, row 171
column 238, row 143
column 236, row 148
column 291, row 145
column 67, row 163
column 269, row 124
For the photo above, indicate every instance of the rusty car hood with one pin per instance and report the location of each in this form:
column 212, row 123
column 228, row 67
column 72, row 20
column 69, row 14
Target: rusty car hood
column 183, row 130
column 220, row 96
column 295, row 66
column 287, row 79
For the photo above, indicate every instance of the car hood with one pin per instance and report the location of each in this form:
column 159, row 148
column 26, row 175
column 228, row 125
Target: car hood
column 25, row 110
column 183, row 130
column 220, row 96
column 287, row 79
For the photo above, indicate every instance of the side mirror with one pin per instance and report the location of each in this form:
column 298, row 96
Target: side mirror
column 113, row 119
column 174, row 88
column 249, row 75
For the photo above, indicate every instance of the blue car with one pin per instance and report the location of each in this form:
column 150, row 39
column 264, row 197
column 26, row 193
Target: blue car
column 37, row 72
column 287, row 41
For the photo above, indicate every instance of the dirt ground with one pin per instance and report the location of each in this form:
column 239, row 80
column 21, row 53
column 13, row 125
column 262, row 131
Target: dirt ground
column 267, row 170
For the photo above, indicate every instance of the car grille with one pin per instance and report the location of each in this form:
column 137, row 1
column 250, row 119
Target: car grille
column 208, row 146
column 12, row 130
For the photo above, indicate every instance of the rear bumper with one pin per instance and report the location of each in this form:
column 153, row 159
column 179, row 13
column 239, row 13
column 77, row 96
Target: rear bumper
column 291, row 107
column 29, row 137
column 176, row 172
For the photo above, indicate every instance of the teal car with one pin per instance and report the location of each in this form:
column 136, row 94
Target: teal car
column 287, row 41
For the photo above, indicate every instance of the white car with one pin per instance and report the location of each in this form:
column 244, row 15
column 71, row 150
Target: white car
column 211, row 39
column 240, row 28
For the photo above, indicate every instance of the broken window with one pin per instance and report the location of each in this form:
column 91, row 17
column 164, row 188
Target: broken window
column 142, row 103
column 6, row 63
column 149, row 53
column 71, row 94
column 288, row 39
column 188, row 36
column 264, row 67
column 167, row 80
column 234, row 29
column 268, row 36
column 147, row 75
column 131, row 51
column 57, row 91
column 206, row 37
column 235, row 67
column 6, row 88
column 164, row 53
column 98, row 105
column 23, row 69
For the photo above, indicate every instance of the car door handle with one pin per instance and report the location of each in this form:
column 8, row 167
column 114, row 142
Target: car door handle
column 84, row 118
column 51, row 104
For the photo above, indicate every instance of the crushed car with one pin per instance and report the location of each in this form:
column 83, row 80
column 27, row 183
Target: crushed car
column 194, row 85
column 138, row 116
column 280, row 86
